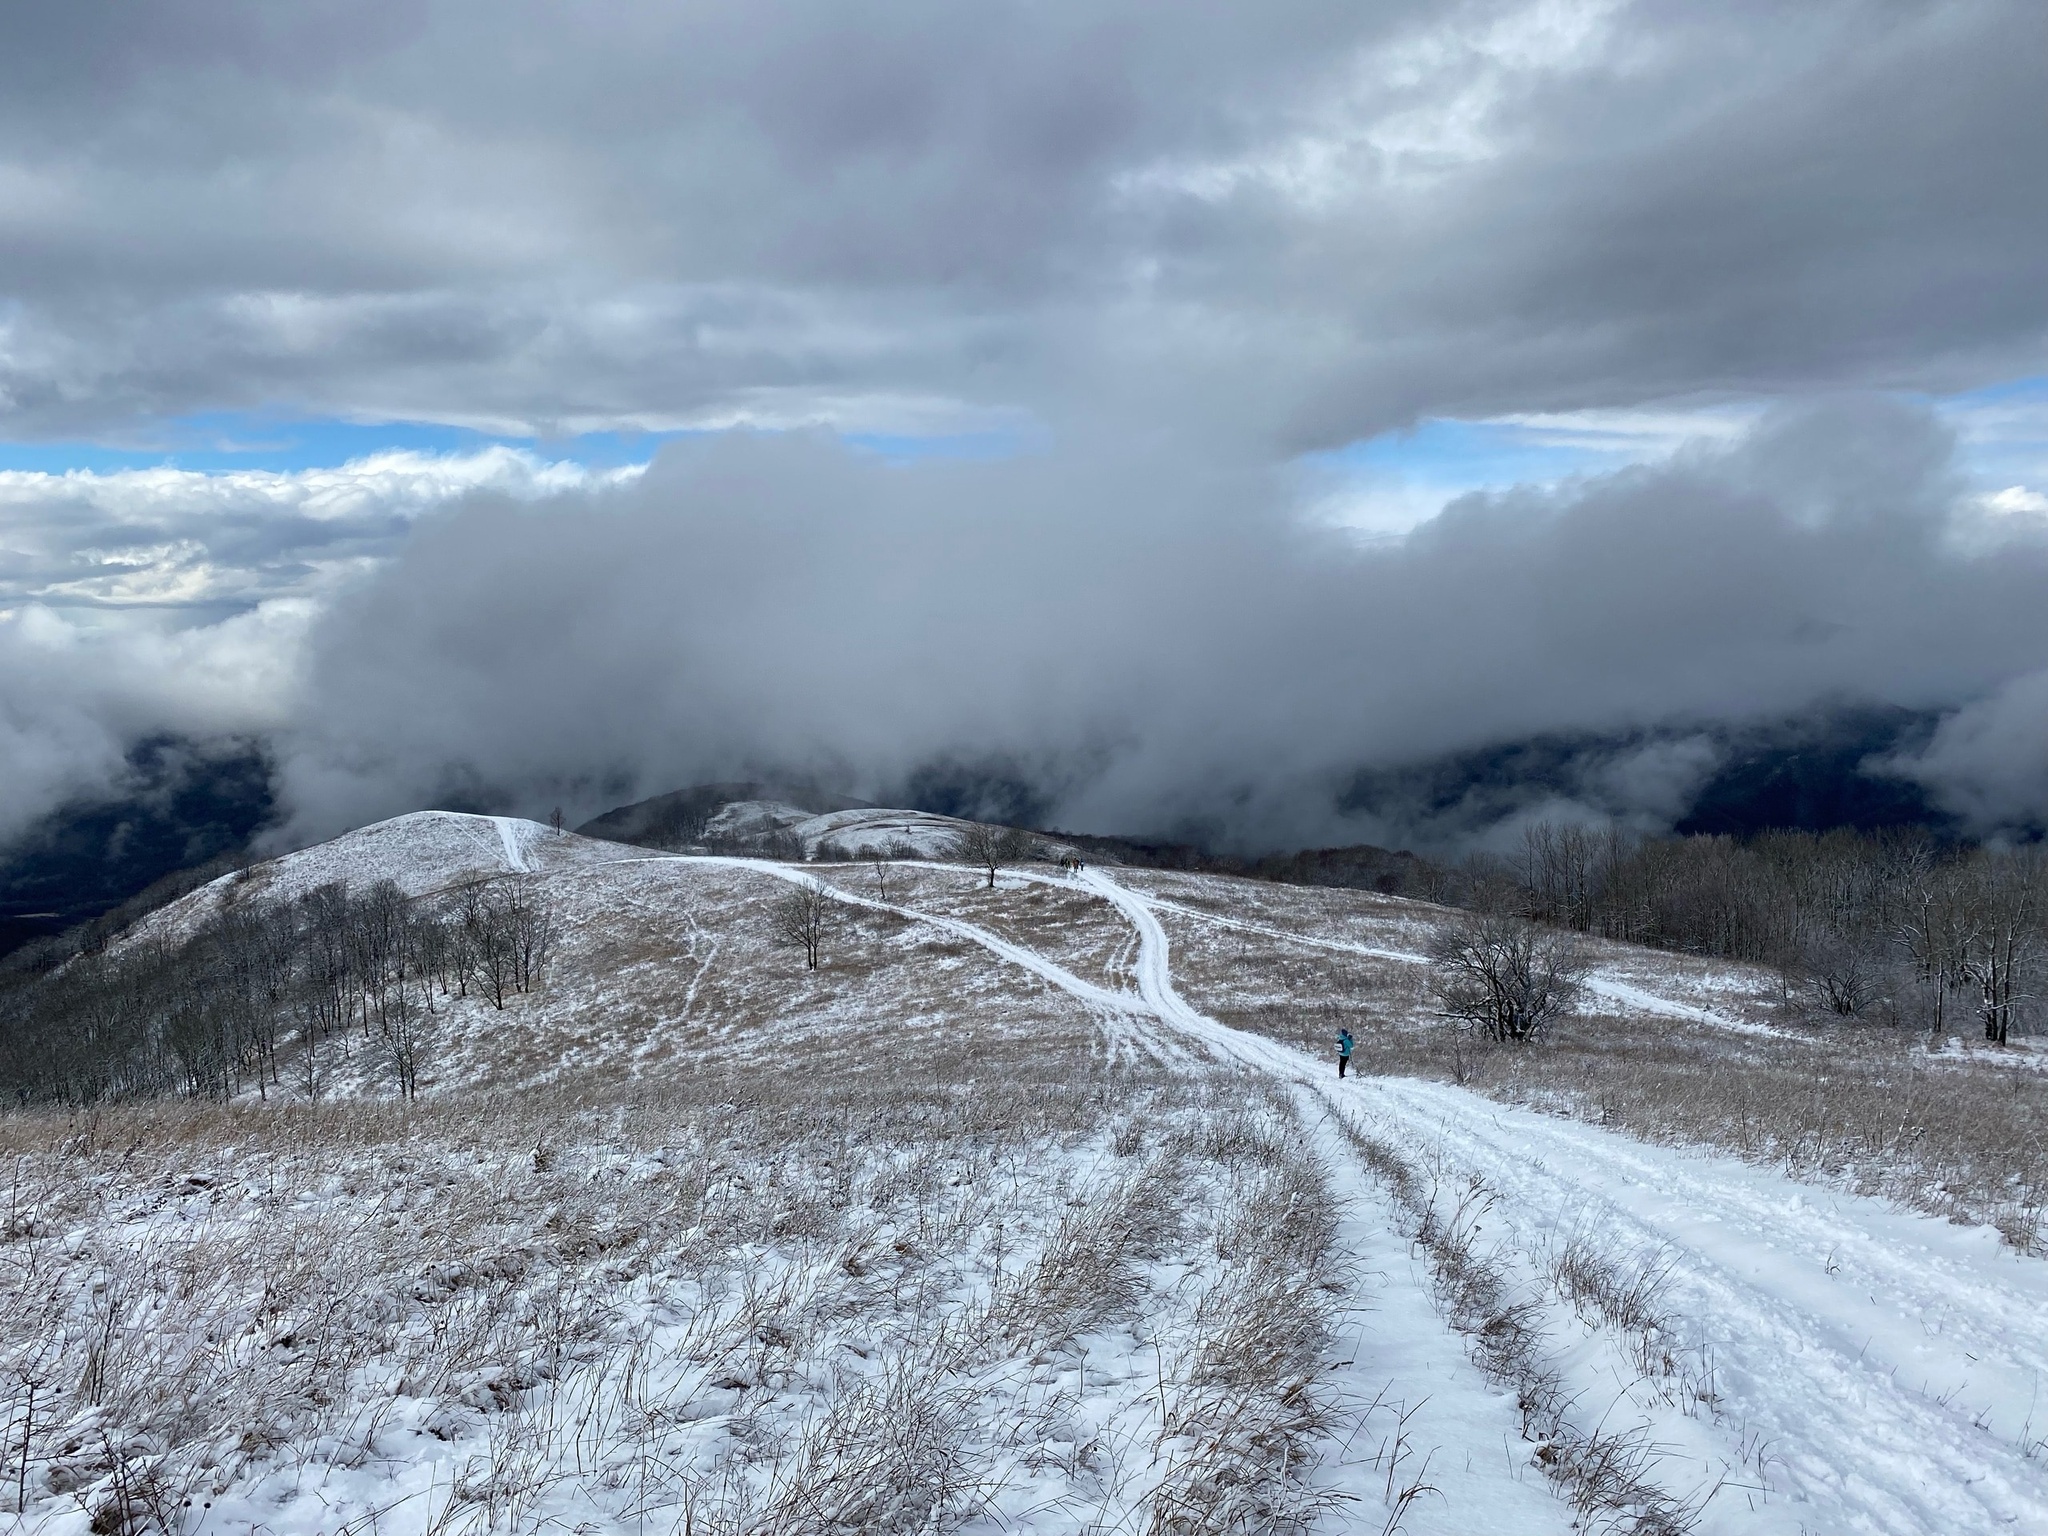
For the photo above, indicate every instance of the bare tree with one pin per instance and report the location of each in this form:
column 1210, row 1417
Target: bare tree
column 799, row 918
column 488, row 945
column 883, row 868
column 530, row 929
column 1557, row 870
column 1437, row 883
column 990, row 847
column 325, row 993
column 1935, row 927
column 405, row 1033
column 209, row 1012
column 675, row 826
column 2006, row 892
column 1505, row 976
column 556, row 819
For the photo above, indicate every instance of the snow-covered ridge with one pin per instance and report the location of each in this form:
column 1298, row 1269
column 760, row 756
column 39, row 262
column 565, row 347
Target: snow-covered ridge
column 420, row 852
column 881, row 832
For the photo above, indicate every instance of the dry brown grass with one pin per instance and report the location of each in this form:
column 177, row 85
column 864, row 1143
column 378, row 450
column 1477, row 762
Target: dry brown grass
column 236, row 1277
column 564, row 1285
column 1859, row 1108
column 1069, row 926
column 664, row 968
column 842, row 1213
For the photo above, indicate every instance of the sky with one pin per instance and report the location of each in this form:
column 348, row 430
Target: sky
column 1177, row 410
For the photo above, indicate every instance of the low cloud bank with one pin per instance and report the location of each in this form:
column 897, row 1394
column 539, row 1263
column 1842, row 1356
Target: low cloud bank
column 1152, row 639
column 78, row 693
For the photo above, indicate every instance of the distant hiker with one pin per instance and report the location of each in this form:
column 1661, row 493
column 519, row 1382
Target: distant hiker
column 1344, row 1044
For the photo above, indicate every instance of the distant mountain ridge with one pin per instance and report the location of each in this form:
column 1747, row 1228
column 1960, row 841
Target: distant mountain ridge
column 185, row 803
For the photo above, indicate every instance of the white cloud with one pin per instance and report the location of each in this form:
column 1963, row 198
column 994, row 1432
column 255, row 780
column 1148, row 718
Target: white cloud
column 1400, row 115
column 146, row 601
column 1632, row 434
column 78, row 690
column 1406, row 480
column 2017, row 501
column 1144, row 634
column 1988, row 763
column 1227, row 235
column 170, row 537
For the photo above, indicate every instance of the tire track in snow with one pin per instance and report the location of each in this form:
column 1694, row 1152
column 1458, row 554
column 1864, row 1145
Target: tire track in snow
column 1469, row 1411
column 1896, row 1413
column 1853, row 1339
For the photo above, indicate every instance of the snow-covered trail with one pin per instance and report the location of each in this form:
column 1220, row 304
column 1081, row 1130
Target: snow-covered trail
column 1267, row 931
column 510, row 834
column 1892, row 1363
column 1464, row 1416
column 1016, row 954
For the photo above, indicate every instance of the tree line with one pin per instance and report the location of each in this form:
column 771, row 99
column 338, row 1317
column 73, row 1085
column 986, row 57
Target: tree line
column 267, row 995
column 1894, row 926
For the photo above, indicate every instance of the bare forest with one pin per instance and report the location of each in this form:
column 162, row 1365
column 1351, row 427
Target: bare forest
column 1896, row 927
column 252, row 993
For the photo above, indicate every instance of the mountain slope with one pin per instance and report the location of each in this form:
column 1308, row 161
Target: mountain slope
column 1031, row 1207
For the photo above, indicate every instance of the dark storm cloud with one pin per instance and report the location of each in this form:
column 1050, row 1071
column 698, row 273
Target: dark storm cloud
column 547, row 214
column 1141, row 640
column 1305, row 221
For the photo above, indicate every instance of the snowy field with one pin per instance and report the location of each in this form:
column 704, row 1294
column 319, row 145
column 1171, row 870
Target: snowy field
column 1033, row 1209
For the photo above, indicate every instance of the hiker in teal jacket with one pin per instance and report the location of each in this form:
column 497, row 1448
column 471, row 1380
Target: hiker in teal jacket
column 1344, row 1043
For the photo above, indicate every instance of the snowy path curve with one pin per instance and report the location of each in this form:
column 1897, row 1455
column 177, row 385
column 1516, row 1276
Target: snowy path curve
column 1894, row 1362
column 1016, row 954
